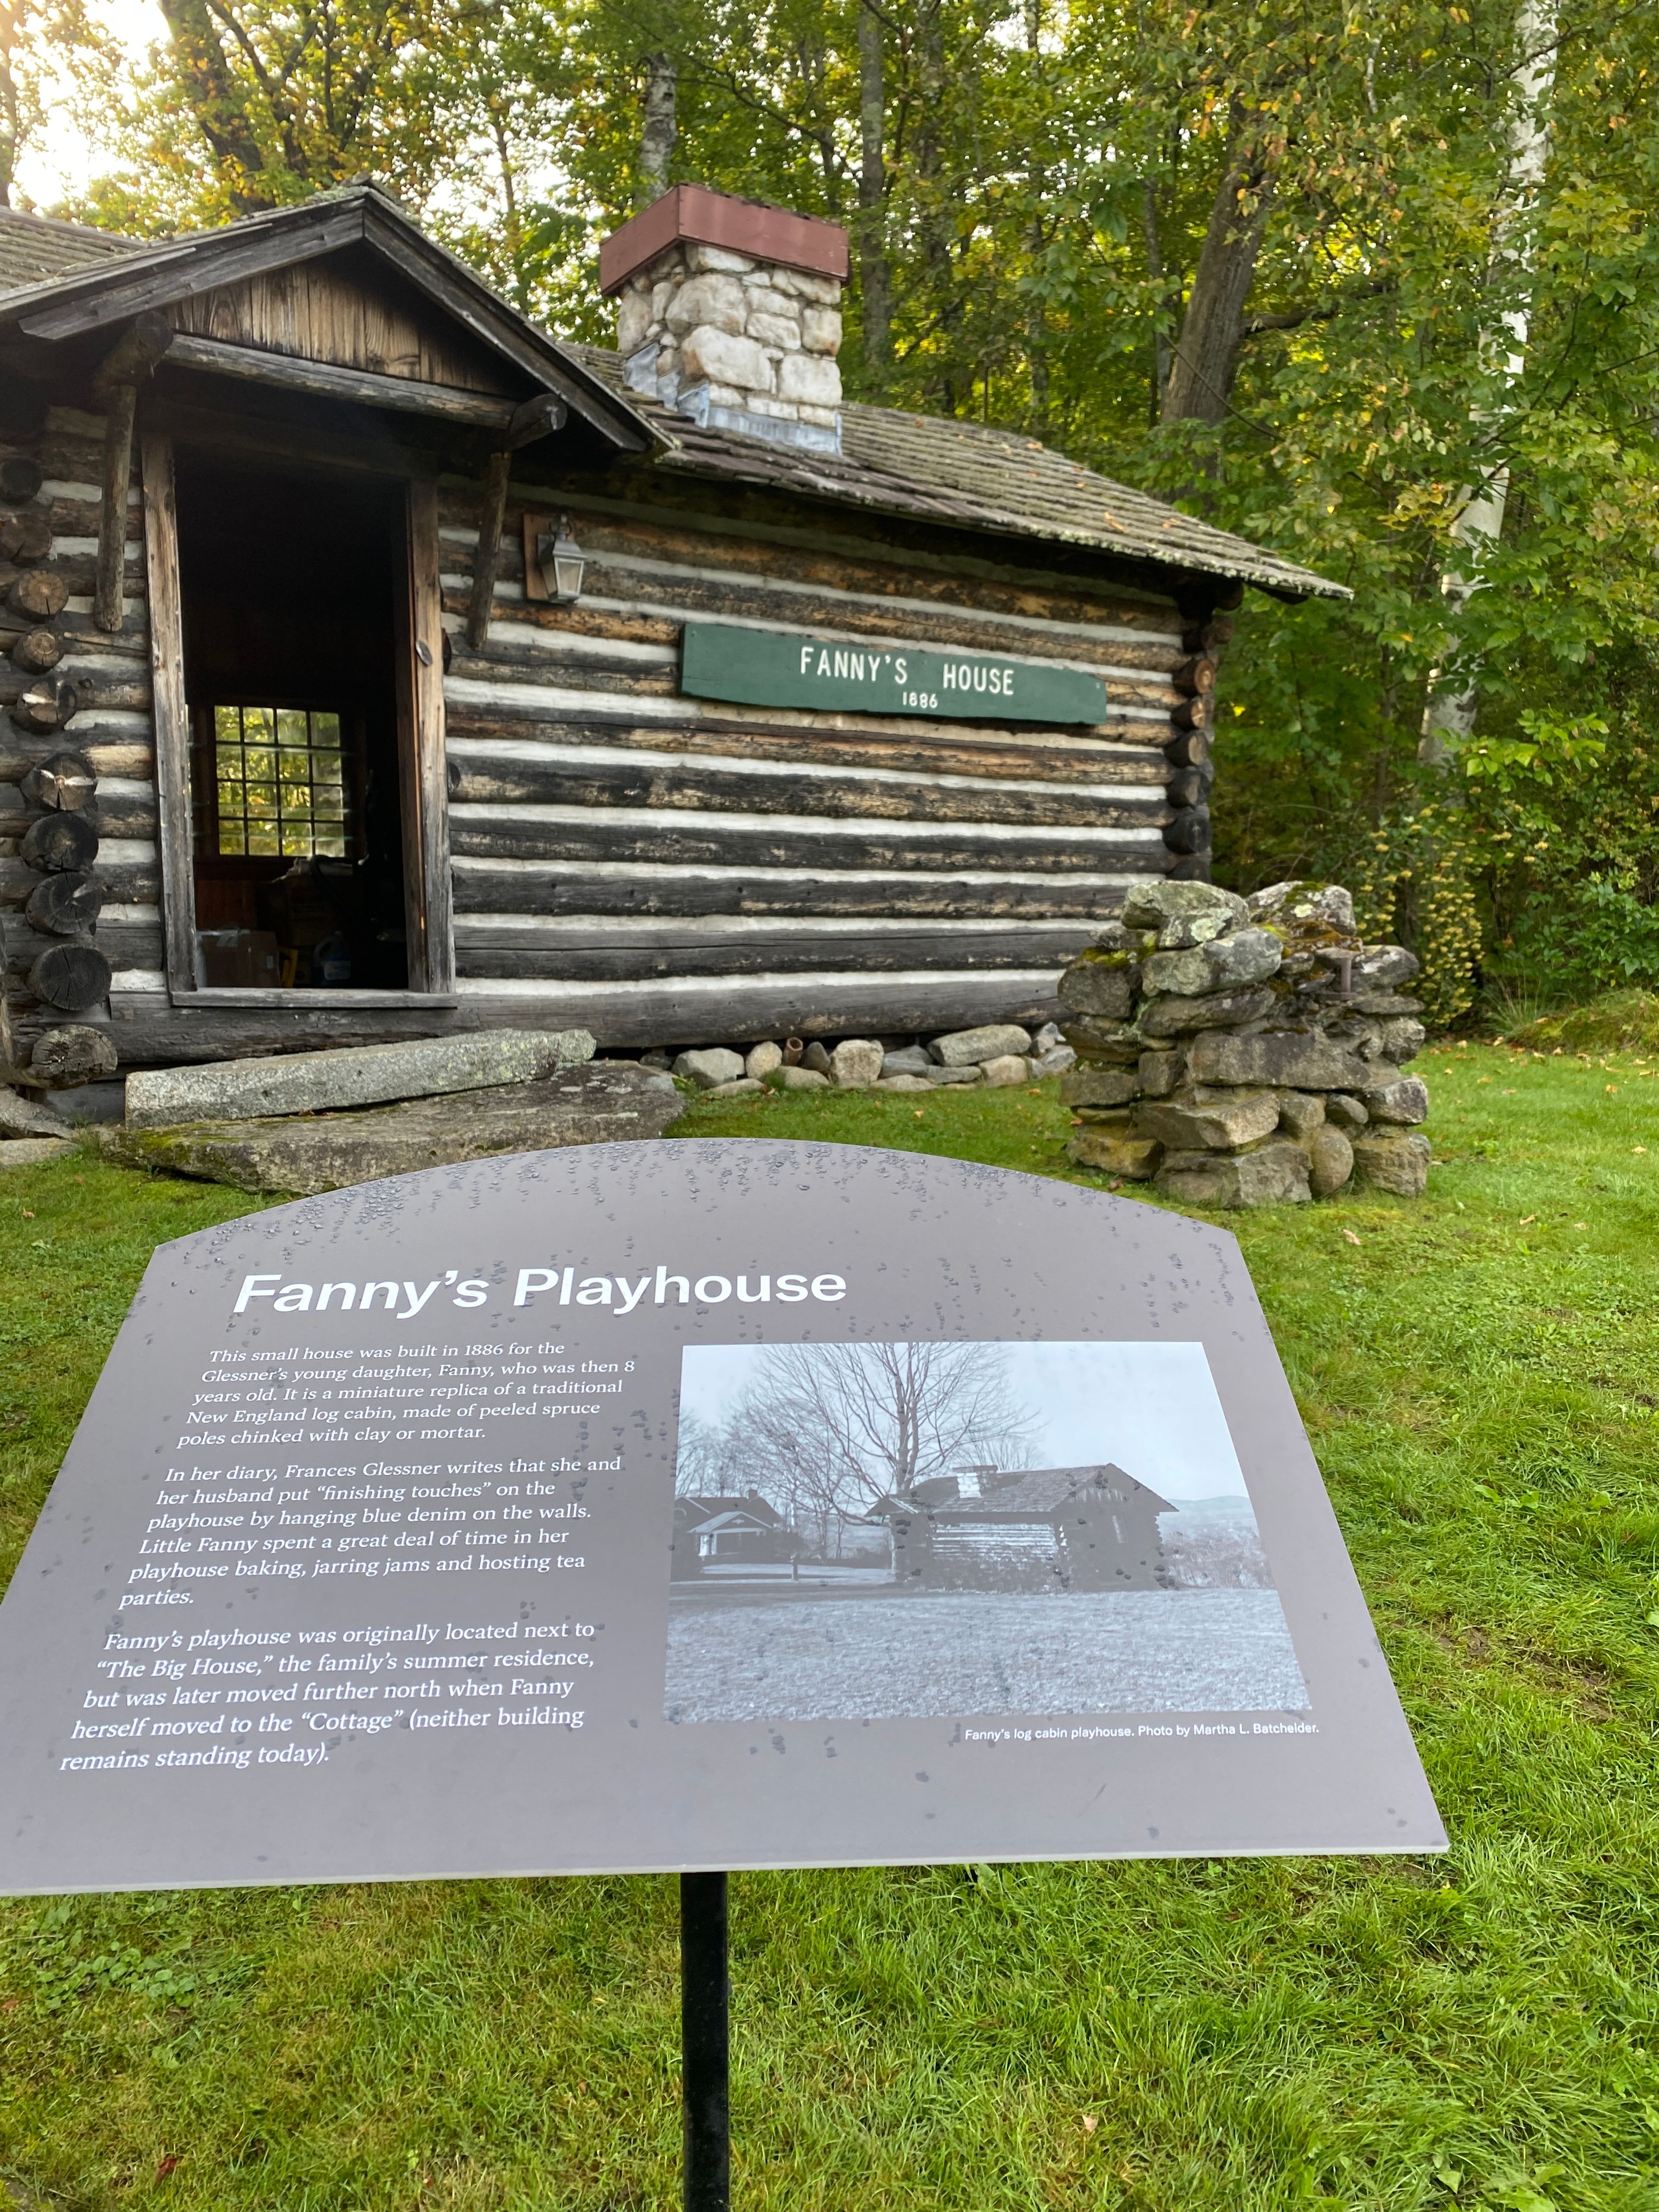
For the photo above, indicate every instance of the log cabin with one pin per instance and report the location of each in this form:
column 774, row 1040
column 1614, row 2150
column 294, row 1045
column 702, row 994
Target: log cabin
column 378, row 666
column 1046, row 1529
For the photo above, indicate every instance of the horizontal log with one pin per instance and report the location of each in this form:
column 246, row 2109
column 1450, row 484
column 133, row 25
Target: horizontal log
column 149, row 1031
column 580, row 668
column 592, row 887
column 109, row 688
column 38, row 594
column 63, row 780
column 574, row 833
column 126, row 944
column 517, row 651
column 115, row 814
column 20, row 478
column 55, row 843
column 1189, row 786
column 619, row 602
column 581, row 776
column 26, row 538
column 597, row 948
column 918, row 750
column 1187, row 749
column 595, row 705
column 120, row 757
column 135, row 881
column 889, row 576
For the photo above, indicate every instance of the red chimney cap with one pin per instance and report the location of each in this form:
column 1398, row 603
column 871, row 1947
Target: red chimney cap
column 751, row 226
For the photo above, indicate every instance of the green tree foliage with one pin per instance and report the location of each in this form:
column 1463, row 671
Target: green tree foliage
column 1245, row 254
column 53, row 52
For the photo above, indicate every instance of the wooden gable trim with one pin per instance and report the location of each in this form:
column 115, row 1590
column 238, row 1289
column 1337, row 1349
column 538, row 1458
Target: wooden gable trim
column 91, row 302
column 349, row 311
column 420, row 261
column 181, row 273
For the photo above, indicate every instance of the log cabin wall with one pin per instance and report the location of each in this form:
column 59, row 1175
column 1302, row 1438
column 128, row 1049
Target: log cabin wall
column 744, row 871
column 664, row 869
column 102, row 678
column 659, row 868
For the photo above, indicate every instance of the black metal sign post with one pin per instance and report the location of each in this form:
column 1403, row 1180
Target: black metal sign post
column 705, row 2043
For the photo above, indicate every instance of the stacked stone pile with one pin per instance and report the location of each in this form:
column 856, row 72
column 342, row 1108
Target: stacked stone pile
column 999, row 1053
column 1245, row 1052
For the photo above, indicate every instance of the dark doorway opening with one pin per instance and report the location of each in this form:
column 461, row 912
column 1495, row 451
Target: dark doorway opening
column 295, row 593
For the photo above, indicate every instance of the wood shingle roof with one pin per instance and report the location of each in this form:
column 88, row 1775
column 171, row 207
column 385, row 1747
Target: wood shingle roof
column 58, row 277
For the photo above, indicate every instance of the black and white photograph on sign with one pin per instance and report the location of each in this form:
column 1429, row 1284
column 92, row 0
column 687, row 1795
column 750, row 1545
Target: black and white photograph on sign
column 873, row 1531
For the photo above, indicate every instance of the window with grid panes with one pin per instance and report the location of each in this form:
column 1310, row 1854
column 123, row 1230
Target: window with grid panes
column 280, row 783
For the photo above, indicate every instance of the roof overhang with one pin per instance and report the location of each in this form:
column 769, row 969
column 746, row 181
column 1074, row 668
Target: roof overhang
column 154, row 278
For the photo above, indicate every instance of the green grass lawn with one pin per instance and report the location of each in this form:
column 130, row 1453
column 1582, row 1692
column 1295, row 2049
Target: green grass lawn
column 1478, row 1374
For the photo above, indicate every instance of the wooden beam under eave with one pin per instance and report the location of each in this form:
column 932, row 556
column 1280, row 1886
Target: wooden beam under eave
column 131, row 358
column 321, row 379
column 537, row 418
column 487, row 560
column 108, row 596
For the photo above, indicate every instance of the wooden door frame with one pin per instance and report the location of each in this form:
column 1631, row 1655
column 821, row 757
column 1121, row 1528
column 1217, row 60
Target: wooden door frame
column 424, row 791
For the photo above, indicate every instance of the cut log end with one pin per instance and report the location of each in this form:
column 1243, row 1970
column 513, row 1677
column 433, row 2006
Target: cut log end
column 36, row 651
column 25, row 539
column 39, row 596
column 65, row 783
column 65, row 905
column 59, row 844
column 72, row 1054
column 71, row 977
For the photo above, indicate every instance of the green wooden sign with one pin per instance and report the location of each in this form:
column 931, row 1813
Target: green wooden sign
column 775, row 668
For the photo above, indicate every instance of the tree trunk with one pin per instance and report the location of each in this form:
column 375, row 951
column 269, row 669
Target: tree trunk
column 1449, row 717
column 1155, row 270
column 875, row 275
column 661, row 131
column 1200, row 375
column 936, row 222
column 219, row 108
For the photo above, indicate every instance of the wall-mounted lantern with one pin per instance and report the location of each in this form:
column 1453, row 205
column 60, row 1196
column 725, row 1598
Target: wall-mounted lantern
column 563, row 562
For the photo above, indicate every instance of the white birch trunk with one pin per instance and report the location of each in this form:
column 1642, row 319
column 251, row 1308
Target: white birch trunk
column 1449, row 718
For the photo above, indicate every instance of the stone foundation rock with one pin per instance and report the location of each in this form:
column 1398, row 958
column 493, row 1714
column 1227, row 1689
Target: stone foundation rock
column 1274, row 1173
column 366, row 1075
column 1115, row 1152
column 1395, row 1162
column 1244, row 1053
column 606, row 1102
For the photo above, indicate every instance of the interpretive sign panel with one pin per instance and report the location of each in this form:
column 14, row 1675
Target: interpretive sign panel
column 781, row 668
column 706, row 1504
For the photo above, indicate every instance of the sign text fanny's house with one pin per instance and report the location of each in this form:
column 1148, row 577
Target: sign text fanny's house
column 775, row 668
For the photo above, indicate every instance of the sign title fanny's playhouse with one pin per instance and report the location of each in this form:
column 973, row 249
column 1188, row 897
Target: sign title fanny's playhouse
column 780, row 668
column 404, row 1300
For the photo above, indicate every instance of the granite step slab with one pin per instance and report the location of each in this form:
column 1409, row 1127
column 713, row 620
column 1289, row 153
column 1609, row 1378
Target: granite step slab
column 603, row 1103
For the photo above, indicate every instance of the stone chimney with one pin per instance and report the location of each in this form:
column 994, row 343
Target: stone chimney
column 729, row 311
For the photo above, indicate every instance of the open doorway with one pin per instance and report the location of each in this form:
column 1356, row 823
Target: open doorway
column 293, row 590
